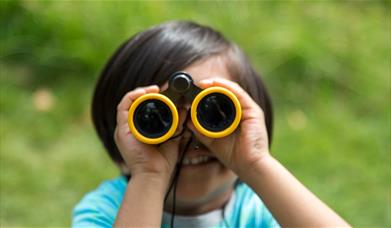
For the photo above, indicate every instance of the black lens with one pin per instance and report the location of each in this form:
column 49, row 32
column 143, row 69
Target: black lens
column 216, row 112
column 152, row 118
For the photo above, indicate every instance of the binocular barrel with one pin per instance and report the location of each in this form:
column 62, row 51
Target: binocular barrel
column 153, row 117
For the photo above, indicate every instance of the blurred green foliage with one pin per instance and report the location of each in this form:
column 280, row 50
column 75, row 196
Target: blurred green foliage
column 327, row 66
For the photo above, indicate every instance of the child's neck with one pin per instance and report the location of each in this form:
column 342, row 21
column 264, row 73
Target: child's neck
column 218, row 200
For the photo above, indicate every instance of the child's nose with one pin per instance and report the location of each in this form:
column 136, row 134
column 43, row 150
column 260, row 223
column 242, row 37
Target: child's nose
column 184, row 116
column 186, row 106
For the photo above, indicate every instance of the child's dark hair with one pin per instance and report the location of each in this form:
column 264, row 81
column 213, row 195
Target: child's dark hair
column 151, row 56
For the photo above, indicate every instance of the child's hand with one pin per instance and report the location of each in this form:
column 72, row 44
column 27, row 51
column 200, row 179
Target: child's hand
column 143, row 159
column 249, row 143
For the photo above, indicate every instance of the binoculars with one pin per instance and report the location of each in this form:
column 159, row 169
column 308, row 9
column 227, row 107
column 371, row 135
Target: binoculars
column 153, row 117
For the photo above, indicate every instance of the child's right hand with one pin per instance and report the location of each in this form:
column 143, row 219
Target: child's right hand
column 143, row 159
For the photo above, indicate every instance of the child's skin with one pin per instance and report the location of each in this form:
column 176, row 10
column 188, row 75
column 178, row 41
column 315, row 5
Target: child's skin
column 205, row 187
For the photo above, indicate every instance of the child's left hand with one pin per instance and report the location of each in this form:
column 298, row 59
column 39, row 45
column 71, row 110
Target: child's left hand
column 249, row 143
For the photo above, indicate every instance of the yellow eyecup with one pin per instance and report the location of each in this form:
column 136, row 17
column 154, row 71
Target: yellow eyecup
column 225, row 132
column 165, row 100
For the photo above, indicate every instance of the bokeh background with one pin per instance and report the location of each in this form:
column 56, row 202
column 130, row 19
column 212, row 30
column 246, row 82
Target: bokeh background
column 327, row 66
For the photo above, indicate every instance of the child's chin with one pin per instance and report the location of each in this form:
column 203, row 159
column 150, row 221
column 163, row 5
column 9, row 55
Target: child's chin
column 204, row 186
column 198, row 199
column 193, row 193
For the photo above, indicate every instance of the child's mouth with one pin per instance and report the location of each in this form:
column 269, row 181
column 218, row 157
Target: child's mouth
column 198, row 160
column 197, row 155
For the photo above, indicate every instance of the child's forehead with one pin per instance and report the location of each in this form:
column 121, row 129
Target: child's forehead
column 213, row 67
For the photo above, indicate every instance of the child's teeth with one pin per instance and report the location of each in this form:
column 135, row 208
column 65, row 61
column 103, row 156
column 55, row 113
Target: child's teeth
column 196, row 160
column 186, row 161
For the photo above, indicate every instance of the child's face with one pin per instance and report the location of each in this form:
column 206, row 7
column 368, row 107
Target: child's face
column 206, row 185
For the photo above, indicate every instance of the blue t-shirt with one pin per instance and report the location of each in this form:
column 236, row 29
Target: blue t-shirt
column 99, row 208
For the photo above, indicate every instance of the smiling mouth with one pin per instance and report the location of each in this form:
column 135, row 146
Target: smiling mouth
column 196, row 154
column 198, row 160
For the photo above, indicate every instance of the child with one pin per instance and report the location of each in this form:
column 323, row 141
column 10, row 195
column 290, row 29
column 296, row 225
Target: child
column 208, row 193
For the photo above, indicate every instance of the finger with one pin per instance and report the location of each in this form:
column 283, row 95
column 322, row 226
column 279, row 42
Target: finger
column 170, row 150
column 245, row 100
column 127, row 100
column 120, row 137
column 129, row 97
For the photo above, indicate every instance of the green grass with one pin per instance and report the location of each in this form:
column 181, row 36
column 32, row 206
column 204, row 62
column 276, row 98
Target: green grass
column 327, row 66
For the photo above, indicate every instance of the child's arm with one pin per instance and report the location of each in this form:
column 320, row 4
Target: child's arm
column 150, row 166
column 246, row 152
column 142, row 205
column 291, row 203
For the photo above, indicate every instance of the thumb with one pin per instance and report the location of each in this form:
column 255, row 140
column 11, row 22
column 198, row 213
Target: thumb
column 170, row 150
